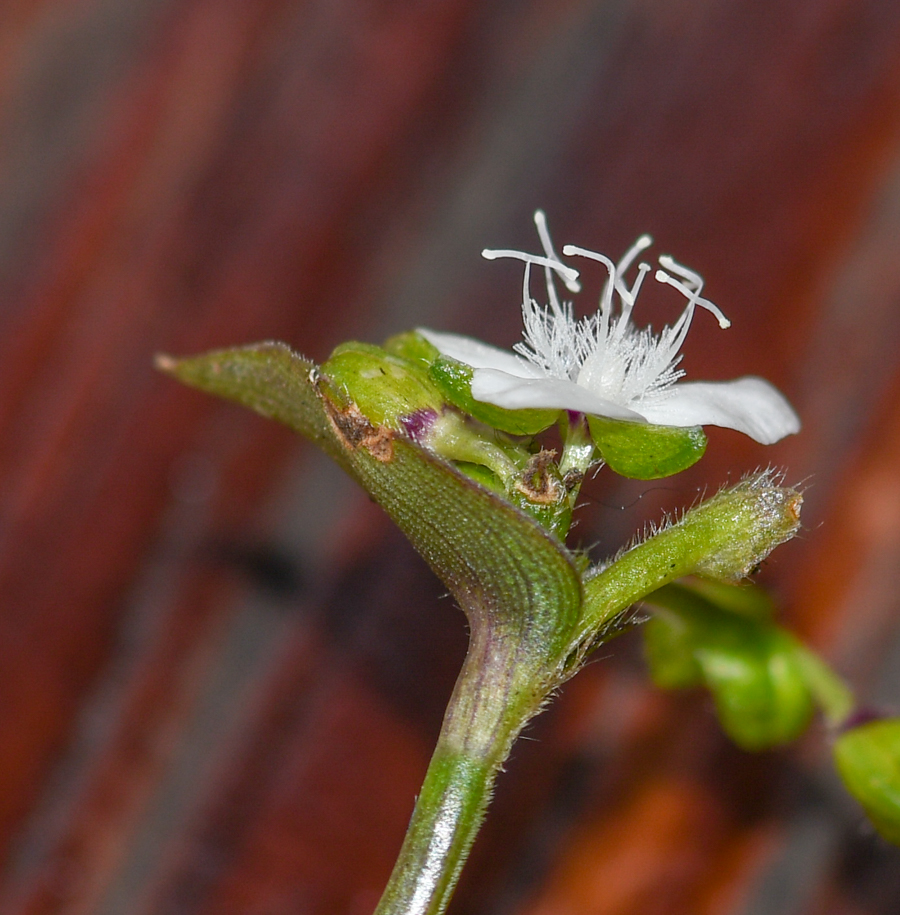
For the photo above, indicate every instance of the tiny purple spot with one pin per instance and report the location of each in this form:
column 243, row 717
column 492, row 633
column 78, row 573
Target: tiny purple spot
column 862, row 716
column 418, row 424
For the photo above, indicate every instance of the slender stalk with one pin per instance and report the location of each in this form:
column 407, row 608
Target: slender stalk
column 835, row 698
column 487, row 711
column 579, row 453
column 446, row 818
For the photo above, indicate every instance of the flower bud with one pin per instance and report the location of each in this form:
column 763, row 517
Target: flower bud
column 385, row 388
column 868, row 760
column 753, row 669
column 724, row 538
column 412, row 346
column 742, row 525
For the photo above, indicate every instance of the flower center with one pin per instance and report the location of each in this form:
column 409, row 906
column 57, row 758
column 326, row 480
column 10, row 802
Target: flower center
column 604, row 352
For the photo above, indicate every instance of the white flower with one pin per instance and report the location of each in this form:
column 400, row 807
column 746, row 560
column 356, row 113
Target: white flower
column 603, row 365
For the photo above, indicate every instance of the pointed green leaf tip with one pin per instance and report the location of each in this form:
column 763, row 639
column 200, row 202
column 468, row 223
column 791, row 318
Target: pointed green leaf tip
column 499, row 564
column 868, row 759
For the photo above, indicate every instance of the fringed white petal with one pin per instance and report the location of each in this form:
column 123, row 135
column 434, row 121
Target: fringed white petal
column 512, row 392
column 479, row 355
column 751, row 405
column 619, row 371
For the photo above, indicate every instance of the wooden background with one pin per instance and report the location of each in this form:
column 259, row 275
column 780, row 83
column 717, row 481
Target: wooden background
column 221, row 669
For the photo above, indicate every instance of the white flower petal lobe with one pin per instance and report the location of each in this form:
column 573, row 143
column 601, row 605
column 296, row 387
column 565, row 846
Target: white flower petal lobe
column 512, row 393
column 751, row 405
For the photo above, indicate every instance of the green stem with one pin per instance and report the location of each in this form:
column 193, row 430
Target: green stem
column 446, row 818
column 578, row 453
column 831, row 693
column 511, row 668
column 722, row 539
column 488, row 709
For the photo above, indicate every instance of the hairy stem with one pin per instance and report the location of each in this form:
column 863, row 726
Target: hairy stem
column 489, row 707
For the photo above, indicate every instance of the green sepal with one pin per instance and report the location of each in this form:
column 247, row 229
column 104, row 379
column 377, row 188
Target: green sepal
column 644, row 451
column 868, row 760
column 455, row 382
column 507, row 573
column 386, row 388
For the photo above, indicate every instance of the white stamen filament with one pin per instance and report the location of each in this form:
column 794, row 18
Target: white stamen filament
column 694, row 279
column 608, row 288
column 693, row 295
column 568, row 274
column 572, row 284
column 603, row 352
column 601, row 364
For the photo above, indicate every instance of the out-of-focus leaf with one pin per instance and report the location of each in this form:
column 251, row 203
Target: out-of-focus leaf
column 753, row 669
column 744, row 599
column 868, row 760
column 669, row 649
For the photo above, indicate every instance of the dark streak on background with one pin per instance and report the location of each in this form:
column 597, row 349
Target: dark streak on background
column 221, row 671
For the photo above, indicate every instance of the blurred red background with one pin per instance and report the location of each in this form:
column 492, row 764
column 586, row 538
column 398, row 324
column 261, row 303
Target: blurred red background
column 221, row 670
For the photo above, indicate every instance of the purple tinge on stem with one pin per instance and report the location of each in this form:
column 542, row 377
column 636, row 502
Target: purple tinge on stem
column 863, row 716
column 418, row 424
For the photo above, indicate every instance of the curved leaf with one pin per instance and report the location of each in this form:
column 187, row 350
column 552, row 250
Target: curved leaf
column 497, row 562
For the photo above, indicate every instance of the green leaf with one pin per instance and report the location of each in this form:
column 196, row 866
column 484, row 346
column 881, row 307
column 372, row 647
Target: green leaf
column 744, row 599
column 868, row 759
column 500, row 565
column 760, row 693
column 754, row 669
column 669, row 649
column 643, row 451
column 455, row 381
